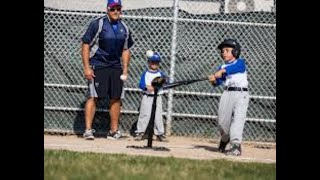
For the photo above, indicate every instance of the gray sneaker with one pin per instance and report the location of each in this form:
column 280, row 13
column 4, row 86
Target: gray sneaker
column 114, row 135
column 88, row 134
column 140, row 136
column 162, row 138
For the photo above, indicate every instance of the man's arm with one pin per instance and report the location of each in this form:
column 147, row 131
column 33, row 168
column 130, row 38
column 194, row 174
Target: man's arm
column 85, row 54
column 125, row 61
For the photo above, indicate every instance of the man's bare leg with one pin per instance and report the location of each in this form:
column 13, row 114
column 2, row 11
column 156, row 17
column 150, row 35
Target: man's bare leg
column 90, row 109
column 114, row 114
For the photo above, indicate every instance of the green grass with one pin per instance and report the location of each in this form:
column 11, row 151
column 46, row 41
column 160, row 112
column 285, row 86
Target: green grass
column 62, row 165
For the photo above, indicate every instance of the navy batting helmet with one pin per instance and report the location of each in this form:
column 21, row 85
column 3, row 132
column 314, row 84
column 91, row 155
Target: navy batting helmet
column 231, row 43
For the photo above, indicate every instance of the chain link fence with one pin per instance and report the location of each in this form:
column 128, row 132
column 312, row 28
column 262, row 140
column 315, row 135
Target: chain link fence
column 186, row 33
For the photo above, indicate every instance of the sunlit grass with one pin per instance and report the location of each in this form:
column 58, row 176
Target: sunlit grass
column 62, row 164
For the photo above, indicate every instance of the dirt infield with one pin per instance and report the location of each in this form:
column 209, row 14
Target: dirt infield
column 180, row 147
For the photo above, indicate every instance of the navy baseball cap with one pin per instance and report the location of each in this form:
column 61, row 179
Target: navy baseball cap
column 113, row 3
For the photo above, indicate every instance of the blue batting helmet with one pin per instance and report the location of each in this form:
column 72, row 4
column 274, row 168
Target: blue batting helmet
column 155, row 57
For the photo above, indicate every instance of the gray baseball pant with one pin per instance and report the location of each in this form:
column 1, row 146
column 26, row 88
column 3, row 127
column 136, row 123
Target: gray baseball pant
column 232, row 115
column 145, row 114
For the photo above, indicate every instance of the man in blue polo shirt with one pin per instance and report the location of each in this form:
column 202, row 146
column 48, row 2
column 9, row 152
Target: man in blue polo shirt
column 106, row 57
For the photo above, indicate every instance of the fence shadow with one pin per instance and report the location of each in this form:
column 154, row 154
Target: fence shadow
column 101, row 120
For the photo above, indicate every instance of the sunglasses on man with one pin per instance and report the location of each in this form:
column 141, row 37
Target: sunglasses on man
column 113, row 9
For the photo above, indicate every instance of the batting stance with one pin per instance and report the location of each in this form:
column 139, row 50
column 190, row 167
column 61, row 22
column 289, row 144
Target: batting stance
column 147, row 76
column 235, row 98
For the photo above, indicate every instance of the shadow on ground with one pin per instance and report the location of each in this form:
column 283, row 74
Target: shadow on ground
column 208, row 148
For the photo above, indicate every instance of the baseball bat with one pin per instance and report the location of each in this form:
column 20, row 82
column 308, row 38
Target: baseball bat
column 184, row 82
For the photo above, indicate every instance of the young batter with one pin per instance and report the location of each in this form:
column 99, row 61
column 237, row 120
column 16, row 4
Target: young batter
column 235, row 98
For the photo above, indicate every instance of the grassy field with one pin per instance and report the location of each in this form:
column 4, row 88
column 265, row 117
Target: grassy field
column 62, row 164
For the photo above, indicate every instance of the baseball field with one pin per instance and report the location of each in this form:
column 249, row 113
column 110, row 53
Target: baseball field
column 186, row 33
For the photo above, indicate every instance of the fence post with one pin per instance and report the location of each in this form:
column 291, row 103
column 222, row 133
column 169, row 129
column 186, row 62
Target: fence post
column 172, row 64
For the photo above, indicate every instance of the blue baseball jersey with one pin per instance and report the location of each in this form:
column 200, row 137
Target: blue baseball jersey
column 114, row 37
column 236, row 74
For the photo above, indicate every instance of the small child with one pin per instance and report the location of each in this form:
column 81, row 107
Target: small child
column 147, row 76
column 235, row 98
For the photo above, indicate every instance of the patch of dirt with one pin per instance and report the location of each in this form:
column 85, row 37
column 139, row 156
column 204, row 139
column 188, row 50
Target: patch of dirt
column 179, row 147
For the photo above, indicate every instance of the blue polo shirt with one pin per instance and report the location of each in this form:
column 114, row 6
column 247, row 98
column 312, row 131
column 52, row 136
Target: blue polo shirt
column 110, row 42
